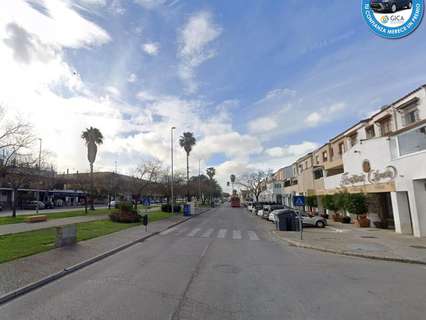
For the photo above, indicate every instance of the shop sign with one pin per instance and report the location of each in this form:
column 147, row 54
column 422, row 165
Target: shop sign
column 373, row 177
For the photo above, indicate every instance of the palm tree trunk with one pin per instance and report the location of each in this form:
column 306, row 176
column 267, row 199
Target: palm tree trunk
column 187, row 177
column 92, row 207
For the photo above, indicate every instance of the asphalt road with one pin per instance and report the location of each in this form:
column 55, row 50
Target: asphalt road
column 226, row 265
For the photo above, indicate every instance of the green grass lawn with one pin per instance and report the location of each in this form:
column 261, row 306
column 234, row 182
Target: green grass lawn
column 55, row 215
column 23, row 244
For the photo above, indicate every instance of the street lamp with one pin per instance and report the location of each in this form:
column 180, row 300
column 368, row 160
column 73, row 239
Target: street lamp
column 172, row 182
column 39, row 170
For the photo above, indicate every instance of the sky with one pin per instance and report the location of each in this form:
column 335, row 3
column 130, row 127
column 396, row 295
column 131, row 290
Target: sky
column 259, row 83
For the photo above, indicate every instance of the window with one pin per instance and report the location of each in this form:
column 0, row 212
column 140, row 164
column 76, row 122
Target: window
column 341, row 148
column 411, row 116
column 325, row 156
column 370, row 133
column 385, row 127
column 306, row 165
column 412, row 141
column 300, row 167
column 331, row 154
column 317, row 159
column 318, row 174
column 353, row 139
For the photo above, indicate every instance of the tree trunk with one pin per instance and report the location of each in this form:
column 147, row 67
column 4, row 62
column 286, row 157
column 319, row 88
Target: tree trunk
column 187, row 178
column 92, row 205
column 14, row 203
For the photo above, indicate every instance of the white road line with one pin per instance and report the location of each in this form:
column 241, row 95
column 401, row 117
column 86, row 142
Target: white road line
column 236, row 235
column 222, row 233
column 193, row 232
column 208, row 233
column 181, row 230
column 252, row 235
column 168, row 231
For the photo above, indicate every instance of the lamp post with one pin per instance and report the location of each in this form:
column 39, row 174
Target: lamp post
column 39, row 170
column 172, row 182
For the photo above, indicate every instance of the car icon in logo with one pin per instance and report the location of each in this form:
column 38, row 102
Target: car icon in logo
column 390, row 5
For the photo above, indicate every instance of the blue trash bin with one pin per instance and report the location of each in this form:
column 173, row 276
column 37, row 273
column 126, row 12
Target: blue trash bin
column 186, row 210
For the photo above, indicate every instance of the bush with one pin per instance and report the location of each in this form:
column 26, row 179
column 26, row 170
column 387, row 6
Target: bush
column 342, row 201
column 311, row 201
column 126, row 214
column 328, row 202
column 168, row 208
column 346, row 219
column 358, row 204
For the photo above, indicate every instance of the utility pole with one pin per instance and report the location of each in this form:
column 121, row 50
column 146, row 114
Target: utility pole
column 199, row 180
column 172, row 182
column 39, row 171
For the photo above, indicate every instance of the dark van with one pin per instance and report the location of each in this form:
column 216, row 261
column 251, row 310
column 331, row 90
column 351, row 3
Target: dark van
column 390, row 5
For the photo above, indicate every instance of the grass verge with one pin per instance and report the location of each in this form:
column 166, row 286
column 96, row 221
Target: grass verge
column 55, row 215
column 14, row 246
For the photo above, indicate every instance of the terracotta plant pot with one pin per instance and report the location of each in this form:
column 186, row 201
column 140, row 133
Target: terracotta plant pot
column 363, row 222
column 337, row 217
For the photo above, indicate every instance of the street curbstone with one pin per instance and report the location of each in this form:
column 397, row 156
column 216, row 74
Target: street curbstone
column 299, row 244
column 81, row 265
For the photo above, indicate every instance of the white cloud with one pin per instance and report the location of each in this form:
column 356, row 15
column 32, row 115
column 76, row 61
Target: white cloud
column 113, row 91
column 296, row 150
column 132, row 78
column 324, row 115
column 150, row 4
column 262, row 125
column 151, row 48
column 194, row 39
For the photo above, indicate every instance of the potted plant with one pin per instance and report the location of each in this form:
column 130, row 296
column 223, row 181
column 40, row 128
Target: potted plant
column 328, row 203
column 358, row 206
column 341, row 201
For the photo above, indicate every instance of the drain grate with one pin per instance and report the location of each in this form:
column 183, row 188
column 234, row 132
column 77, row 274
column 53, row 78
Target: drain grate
column 368, row 237
column 418, row 247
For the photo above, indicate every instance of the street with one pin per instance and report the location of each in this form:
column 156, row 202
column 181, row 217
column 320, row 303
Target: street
column 225, row 264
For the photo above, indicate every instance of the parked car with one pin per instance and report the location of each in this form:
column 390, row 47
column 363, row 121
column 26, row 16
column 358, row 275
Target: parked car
column 390, row 5
column 267, row 209
column 114, row 203
column 32, row 205
column 49, row 205
column 1, row 207
column 315, row 221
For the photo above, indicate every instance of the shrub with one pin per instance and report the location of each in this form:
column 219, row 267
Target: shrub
column 346, row 219
column 342, row 201
column 358, row 204
column 328, row 202
column 168, row 208
column 311, row 201
column 126, row 213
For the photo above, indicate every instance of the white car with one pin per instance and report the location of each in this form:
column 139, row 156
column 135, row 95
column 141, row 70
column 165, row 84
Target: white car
column 114, row 203
column 260, row 212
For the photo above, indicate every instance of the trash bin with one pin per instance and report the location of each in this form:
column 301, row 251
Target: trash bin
column 186, row 210
column 287, row 221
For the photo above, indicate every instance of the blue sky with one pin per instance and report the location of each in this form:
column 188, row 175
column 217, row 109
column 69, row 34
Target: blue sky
column 258, row 82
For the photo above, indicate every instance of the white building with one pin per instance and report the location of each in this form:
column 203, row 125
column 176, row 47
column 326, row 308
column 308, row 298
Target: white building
column 385, row 157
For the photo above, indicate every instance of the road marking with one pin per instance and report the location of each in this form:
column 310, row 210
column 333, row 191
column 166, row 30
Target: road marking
column 181, row 230
column 168, row 231
column 193, row 232
column 236, row 235
column 222, row 233
column 252, row 235
column 208, row 233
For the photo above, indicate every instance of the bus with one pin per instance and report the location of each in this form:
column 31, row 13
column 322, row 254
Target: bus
column 235, row 202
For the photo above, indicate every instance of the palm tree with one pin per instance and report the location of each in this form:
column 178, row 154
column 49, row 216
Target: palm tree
column 232, row 177
column 211, row 172
column 187, row 141
column 93, row 137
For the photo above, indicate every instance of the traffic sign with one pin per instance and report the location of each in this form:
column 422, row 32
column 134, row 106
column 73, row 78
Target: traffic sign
column 299, row 201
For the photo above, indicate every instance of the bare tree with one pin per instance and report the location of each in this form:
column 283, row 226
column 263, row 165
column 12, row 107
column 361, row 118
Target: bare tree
column 254, row 182
column 148, row 174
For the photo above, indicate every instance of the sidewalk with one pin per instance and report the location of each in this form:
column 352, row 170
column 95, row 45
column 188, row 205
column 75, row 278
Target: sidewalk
column 18, row 273
column 347, row 239
column 22, row 272
column 23, row 227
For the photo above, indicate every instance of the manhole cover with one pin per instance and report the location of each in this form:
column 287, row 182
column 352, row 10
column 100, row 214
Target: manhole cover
column 418, row 247
column 368, row 237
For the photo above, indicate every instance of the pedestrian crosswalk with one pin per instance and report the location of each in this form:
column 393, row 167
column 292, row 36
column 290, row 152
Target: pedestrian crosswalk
column 211, row 233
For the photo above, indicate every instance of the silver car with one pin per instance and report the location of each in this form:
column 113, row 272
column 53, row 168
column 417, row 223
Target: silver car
column 315, row 221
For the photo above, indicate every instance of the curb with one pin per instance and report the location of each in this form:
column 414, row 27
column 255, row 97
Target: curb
column 298, row 244
column 68, row 270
